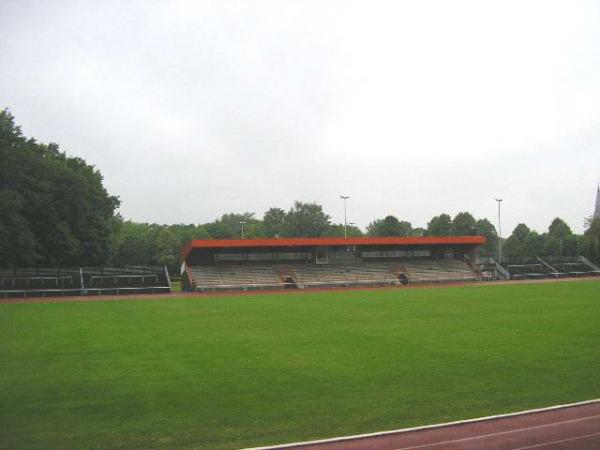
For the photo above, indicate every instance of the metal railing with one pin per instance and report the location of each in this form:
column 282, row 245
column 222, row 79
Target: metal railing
column 83, row 281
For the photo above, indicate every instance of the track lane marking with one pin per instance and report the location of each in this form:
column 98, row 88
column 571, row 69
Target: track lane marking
column 583, row 436
column 422, row 428
column 500, row 433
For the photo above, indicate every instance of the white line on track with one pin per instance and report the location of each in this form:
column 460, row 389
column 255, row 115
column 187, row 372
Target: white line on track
column 583, row 436
column 500, row 433
column 425, row 427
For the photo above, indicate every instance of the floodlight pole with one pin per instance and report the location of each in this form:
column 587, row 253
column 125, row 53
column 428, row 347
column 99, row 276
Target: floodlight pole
column 242, row 224
column 499, row 200
column 344, row 198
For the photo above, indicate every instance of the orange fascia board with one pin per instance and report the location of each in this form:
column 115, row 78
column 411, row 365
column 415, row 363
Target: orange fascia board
column 329, row 241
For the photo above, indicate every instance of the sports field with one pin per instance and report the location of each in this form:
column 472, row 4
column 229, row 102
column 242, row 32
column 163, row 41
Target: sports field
column 236, row 371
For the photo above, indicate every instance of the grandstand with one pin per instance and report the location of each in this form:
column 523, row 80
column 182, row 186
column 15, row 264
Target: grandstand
column 489, row 269
column 425, row 271
column 527, row 268
column 45, row 282
column 577, row 266
column 212, row 265
column 550, row 267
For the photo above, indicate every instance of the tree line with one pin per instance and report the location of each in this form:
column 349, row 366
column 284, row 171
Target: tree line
column 143, row 243
column 54, row 211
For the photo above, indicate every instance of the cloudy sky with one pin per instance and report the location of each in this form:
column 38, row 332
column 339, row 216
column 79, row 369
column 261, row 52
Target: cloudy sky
column 192, row 109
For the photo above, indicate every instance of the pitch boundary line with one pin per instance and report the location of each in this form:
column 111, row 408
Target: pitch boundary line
column 424, row 427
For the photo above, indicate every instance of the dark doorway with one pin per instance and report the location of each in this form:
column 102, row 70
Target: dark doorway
column 403, row 278
column 290, row 283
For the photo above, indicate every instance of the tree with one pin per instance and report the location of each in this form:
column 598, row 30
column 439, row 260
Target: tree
column 560, row 240
column 337, row 230
column 55, row 210
column 519, row 241
column 274, row 222
column 132, row 245
column 166, row 248
column 228, row 226
column 389, row 226
column 17, row 242
column 515, row 244
column 521, row 232
column 306, row 220
column 464, row 224
column 488, row 230
column 418, row 231
column 143, row 244
column 534, row 244
column 187, row 232
column 440, row 226
column 559, row 229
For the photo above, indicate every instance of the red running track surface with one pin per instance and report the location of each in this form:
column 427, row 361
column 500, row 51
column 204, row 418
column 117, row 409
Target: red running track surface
column 569, row 428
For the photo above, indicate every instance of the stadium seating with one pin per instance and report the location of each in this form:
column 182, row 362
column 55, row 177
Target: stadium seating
column 38, row 279
column 432, row 271
column 104, row 280
column 572, row 266
column 83, row 281
column 488, row 269
column 371, row 273
column 558, row 267
column 522, row 271
column 235, row 277
column 303, row 275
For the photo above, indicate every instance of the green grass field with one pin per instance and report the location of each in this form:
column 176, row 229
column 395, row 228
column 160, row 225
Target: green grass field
column 230, row 372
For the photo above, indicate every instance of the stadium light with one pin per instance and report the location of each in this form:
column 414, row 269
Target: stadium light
column 345, row 197
column 499, row 200
column 242, row 224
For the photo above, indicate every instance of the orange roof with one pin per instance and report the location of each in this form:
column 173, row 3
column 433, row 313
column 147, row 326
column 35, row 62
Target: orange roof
column 331, row 241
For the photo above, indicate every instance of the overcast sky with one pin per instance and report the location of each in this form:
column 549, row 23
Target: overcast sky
column 192, row 109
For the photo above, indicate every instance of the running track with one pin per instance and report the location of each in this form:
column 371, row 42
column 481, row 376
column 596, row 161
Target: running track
column 565, row 428
column 166, row 296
